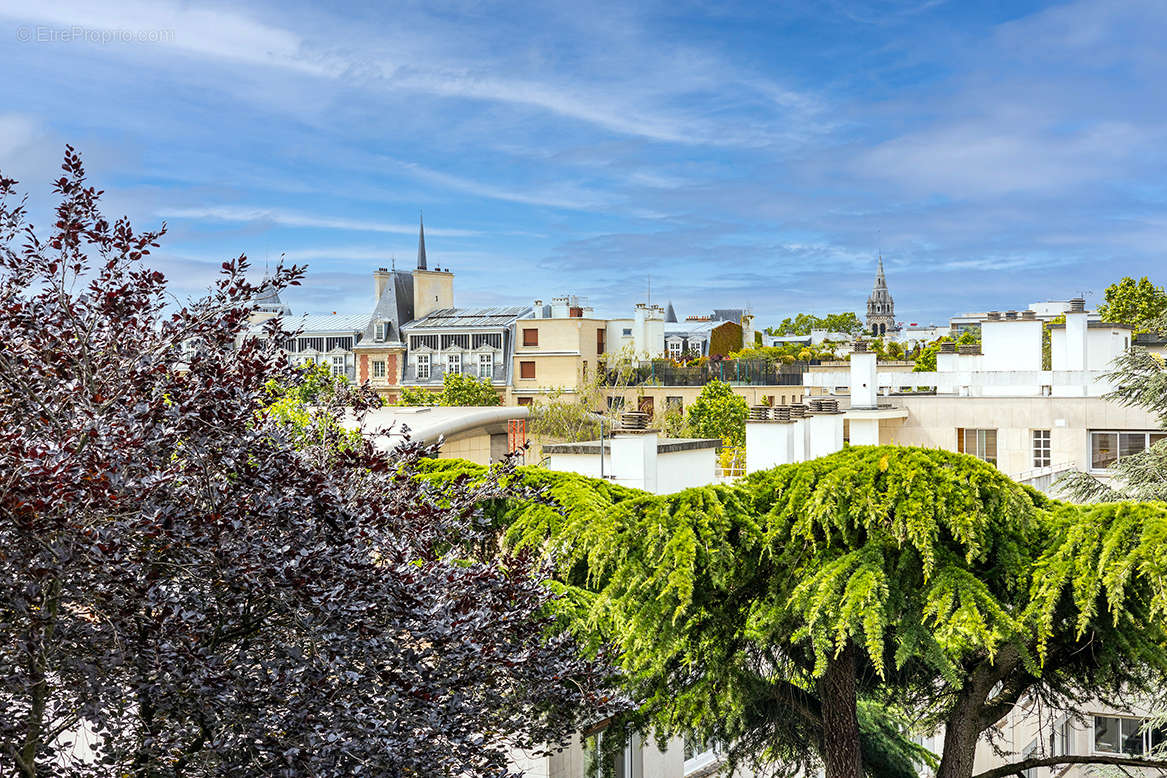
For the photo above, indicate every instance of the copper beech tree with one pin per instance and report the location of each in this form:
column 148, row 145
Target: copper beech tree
column 190, row 587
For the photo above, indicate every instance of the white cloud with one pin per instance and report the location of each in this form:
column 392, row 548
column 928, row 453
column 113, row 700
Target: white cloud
column 246, row 214
column 202, row 30
column 563, row 196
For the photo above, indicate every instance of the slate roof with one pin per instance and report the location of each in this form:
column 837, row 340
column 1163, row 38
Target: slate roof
column 395, row 305
column 344, row 323
column 454, row 318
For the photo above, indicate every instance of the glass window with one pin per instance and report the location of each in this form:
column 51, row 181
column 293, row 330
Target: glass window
column 338, row 366
column 485, row 365
column 1106, row 448
column 379, row 368
column 675, row 349
column 1121, row 735
column 423, row 365
column 627, row 330
column 1131, row 443
column 674, row 403
column 1107, row 736
column 1103, row 449
column 981, row 443
column 1132, row 736
column 453, row 363
column 1041, row 448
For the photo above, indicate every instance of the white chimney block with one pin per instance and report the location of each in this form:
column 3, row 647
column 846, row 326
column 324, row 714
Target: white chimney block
column 864, row 385
column 864, row 432
column 634, row 460
column 773, row 443
column 824, row 434
column 946, row 363
column 1075, row 348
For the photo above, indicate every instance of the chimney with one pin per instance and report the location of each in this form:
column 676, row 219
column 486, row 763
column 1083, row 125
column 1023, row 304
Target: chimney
column 773, row 439
column 634, row 452
column 993, row 316
column 381, row 278
column 864, row 384
column 824, row 428
column 1029, row 315
column 1011, row 315
column 1076, row 335
column 537, row 310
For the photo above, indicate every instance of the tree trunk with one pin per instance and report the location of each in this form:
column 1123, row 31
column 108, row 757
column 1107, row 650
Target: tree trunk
column 960, row 746
column 837, row 687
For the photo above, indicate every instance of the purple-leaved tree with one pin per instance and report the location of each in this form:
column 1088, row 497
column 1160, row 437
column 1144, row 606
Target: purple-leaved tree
column 189, row 586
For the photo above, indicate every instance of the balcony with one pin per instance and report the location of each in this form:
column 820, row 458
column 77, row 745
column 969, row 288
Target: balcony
column 438, row 372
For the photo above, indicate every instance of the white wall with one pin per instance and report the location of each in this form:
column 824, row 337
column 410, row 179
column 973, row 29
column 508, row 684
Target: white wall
column 1011, row 345
column 677, row 470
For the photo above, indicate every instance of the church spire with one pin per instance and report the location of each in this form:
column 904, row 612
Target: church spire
column 420, row 243
column 670, row 314
column 880, row 305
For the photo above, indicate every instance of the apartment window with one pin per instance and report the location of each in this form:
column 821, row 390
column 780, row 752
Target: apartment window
column 698, row 754
column 531, row 337
column 525, row 400
column 1108, row 447
column 675, row 349
column 423, row 365
column 627, row 331
column 600, row 337
column 453, row 363
column 674, row 403
column 1125, row 735
column 380, row 335
column 1041, row 448
column 1061, row 740
column 526, row 370
column 338, row 366
column 981, row 443
column 485, row 365
column 378, row 368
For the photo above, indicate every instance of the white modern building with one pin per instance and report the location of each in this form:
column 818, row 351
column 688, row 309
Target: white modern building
column 640, row 459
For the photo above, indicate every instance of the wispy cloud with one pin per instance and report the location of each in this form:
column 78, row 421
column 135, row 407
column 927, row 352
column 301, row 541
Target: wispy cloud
column 561, row 196
column 245, row 214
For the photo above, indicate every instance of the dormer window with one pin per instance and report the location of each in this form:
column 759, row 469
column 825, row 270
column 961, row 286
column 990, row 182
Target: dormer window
column 382, row 333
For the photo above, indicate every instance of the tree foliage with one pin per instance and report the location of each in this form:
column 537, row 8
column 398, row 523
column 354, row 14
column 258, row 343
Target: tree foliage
column 941, row 590
column 926, row 357
column 190, row 585
column 458, row 389
column 803, row 323
column 725, row 339
column 718, row 412
column 1135, row 303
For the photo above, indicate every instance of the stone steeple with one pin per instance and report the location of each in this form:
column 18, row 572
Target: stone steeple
column 881, row 314
column 420, row 244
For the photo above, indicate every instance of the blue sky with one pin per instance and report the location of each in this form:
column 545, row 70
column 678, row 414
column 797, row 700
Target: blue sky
column 737, row 153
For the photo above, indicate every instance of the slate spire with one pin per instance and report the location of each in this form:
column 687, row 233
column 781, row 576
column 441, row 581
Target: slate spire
column 420, row 243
